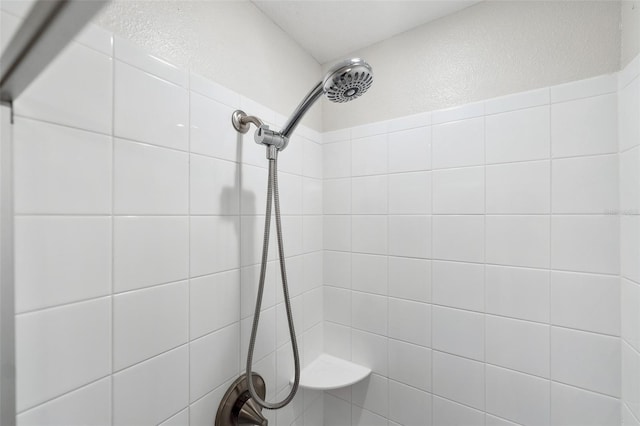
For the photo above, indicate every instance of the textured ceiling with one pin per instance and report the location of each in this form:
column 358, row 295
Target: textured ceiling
column 330, row 29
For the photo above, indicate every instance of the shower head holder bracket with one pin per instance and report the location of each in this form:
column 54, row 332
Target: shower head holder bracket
column 263, row 135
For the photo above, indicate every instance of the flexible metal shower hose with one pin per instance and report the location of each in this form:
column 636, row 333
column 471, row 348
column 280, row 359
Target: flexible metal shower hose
column 272, row 190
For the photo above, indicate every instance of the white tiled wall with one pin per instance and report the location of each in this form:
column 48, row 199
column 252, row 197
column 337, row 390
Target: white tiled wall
column 138, row 230
column 629, row 155
column 482, row 260
column 481, row 249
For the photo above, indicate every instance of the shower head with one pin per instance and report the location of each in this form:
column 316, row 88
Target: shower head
column 347, row 80
column 344, row 81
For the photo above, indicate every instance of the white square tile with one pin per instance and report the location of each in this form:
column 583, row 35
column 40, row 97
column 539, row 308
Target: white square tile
column 369, row 273
column 587, row 302
column 518, row 397
column 518, row 135
column 214, row 301
column 371, row 129
column 519, row 188
column 336, row 136
column 213, row 359
column 457, row 144
column 312, row 196
column 370, row 350
column 409, row 122
column 214, row 186
column 371, row 394
column 458, row 238
column 337, row 196
column 292, row 228
column 149, row 179
column 88, row 405
column 369, row 156
column 458, row 285
column 211, row 130
column 362, row 417
column 590, row 361
column 214, row 244
column 458, row 332
column 312, row 233
column 448, row 413
column 337, row 338
column 410, row 364
column 585, row 243
column 410, row 278
column 629, row 111
column 336, row 411
column 369, row 312
column 251, row 238
column 630, row 247
column 291, row 161
column 148, row 322
column 312, row 312
column 410, row 150
column 630, row 371
column 60, row 170
column 213, row 90
column 584, row 126
column 337, row 233
column 571, row 405
column 517, row 101
column 149, row 250
column 410, row 193
column 369, row 234
column 180, row 419
column 410, row 236
column 337, row 269
column 151, row 391
column 585, row 185
column 76, row 339
column 458, row 191
column 518, row 293
column 409, row 321
column 61, row 260
column 409, row 406
column 76, row 90
column 311, row 159
column 458, row 379
column 584, row 88
column 369, row 195
column 630, row 313
column 128, row 52
column 336, row 159
column 462, row 112
column 518, row 345
column 518, row 240
column 253, row 192
column 337, row 305
column 630, row 180
column 290, row 192
column 149, row 109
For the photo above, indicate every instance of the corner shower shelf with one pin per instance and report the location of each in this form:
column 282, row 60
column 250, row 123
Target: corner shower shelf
column 328, row 372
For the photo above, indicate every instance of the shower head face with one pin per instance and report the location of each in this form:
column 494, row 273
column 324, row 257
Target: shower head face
column 348, row 80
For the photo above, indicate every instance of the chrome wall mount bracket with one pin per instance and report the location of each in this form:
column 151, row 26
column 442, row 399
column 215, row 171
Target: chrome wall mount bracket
column 237, row 408
column 263, row 136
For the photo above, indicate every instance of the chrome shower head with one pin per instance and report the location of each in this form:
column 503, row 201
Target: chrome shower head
column 347, row 80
